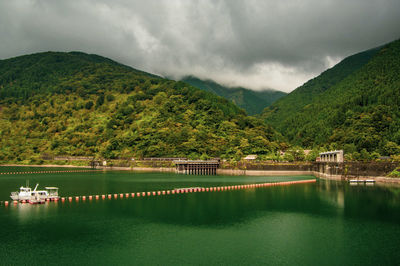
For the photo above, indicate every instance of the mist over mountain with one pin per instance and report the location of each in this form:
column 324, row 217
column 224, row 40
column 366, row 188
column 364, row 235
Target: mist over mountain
column 252, row 101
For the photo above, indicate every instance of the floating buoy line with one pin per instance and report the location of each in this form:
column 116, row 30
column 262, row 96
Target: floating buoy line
column 47, row 172
column 168, row 192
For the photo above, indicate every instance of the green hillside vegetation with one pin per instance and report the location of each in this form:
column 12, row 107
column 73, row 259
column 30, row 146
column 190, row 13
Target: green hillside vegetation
column 253, row 102
column 281, row 113
column 357, row 111
column 86, row 105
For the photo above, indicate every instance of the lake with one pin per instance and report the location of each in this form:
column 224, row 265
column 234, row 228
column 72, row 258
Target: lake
column 322, row 223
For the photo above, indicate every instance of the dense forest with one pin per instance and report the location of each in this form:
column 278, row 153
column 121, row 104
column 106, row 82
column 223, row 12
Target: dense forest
column 78, row 104
column 353, row 106
column 253, row 102
column 86, row 105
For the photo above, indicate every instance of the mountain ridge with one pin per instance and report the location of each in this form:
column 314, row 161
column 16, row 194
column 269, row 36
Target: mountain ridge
column 86, row 105
column 359, row 111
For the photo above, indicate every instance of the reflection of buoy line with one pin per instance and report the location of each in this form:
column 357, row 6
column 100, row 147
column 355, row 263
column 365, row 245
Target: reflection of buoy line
column 172, row 192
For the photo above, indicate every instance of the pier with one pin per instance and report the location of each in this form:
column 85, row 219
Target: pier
column 197, row 167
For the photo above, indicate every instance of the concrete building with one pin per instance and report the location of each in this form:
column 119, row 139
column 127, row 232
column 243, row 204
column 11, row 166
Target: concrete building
column 332, row 156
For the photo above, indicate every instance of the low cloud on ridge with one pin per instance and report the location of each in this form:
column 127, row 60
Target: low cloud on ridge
column 255, row 44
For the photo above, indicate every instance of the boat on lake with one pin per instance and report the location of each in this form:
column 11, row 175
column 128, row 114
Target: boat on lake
column 27, row 195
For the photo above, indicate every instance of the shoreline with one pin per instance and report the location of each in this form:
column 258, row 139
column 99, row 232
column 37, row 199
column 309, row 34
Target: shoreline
column 232, row 172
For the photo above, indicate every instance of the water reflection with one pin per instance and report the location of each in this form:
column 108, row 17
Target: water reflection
column 272, row 225
column 28, row 213
column 361, row 201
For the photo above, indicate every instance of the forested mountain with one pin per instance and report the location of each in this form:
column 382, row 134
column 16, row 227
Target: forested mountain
column 354, row 105
column 253, row 102
column 281, row 112
column 79, row 104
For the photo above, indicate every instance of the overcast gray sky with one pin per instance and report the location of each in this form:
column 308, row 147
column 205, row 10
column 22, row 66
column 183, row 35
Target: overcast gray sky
column 250, row 43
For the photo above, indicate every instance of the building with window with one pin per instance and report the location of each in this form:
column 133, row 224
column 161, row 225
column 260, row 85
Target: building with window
column 332, row 156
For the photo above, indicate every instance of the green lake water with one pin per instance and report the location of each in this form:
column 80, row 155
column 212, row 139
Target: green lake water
column 323, row 223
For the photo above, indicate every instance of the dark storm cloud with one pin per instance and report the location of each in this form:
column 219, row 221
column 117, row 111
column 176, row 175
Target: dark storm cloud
column 258, row 44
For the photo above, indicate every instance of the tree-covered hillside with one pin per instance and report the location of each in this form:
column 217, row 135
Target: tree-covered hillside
column 281, row 112
column 252, row 101
column 79, row 104
column 357, row 111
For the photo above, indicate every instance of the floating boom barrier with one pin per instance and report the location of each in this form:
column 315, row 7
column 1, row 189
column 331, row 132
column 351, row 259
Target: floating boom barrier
column 169, row 192
column 47, row 172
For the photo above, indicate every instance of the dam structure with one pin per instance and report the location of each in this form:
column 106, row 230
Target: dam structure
column 197, row 167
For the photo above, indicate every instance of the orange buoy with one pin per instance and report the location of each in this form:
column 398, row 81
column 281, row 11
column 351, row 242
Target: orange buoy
column 15, row 202
column 6, row 203
column 62, row 199
column 83, row 197
column 143, row 194
column 132, row 194
column 138, row 194
column 154, row 193
column 121, row 195
column 70, row 198
column 23, row 201
column 163, row 192
column 90, row 197
column 103, row 196
column 148, row 193
column 158, row 193
column 126, row 195
column 97, row 197
column 168, row 192
column 115, row 196
column 109, row 196
column 77, row 198
column 173, row 191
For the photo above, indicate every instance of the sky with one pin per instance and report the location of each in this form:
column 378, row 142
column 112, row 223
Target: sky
column 257, row 44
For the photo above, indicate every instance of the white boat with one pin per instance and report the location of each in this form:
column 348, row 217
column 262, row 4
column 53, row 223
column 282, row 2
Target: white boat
column 26, row 194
